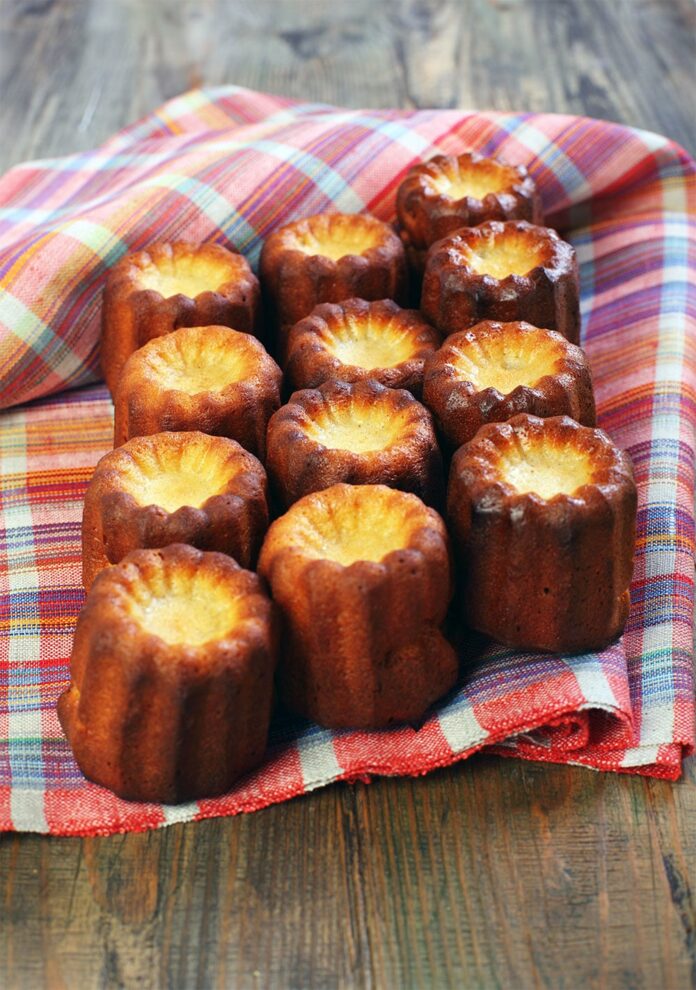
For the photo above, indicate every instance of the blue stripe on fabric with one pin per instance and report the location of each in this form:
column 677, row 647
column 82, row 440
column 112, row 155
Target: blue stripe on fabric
column 329, row 181
column 553, row 157
column 205, row 197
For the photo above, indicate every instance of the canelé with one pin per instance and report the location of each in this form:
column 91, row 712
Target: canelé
column 327, row 258
column 502, row 271
column 543, row 515
column 361, row 574
column 212, row 379
column 355, row 340
column 495, row 370
column 152, row 292
column 171, row 675
column 447, row 192
column 174, row 488
column 360, row 433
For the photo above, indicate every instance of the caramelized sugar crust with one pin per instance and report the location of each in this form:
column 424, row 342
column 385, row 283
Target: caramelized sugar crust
column 152, row 292
column 496, row 370
column 355, row 340
column 360, row 433
column 171, row 675
column 212, row 379
column 361, row 574
column 448, row 192
column 512, row 271
column 327, row 258
column 543, row 513
column 175, row 487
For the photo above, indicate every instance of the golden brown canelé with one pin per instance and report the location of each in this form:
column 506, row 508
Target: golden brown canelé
column 355, row 340
column 543, row 514
column 171, row 675
column 356, row 432
column 439, row 196
column 502, row 271
column 362, row 577
column 327, row 258
column 152, row 292
column 174, row 488
column 495, row 370
column 211, row 379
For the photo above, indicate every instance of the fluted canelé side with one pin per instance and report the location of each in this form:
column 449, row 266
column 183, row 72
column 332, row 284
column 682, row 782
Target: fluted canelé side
column 174, row 488
column 362, row 577
column 171, row 676
column 543, row 515
column 152, row 292
column 505, row 272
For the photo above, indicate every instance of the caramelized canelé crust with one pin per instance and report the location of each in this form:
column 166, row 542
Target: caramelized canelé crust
column 361, row 433
column 495, row 370
column 502, row 271
column 327, row 258
column 212, row 379
column 171, row 675
column 174, row 488
column 439, row 196
column 543, row 515
column 152, row 292
column 355, row 340
column 361, row 574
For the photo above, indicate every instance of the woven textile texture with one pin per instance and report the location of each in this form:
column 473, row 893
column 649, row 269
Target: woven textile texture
column 230, row 165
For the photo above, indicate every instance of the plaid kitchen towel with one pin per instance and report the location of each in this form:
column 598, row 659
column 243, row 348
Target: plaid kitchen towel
column 230, row 165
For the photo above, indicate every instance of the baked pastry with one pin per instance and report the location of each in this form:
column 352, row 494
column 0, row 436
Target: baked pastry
column 212, row 379
column 171, row 675
column 327, row 258
column 174, row 488
column 362, row 576
column 502, row 271
column 543, row 516
column 495, row 370
column 354, row 340
column 361, row 433
column 152, row 292
column 439, row 196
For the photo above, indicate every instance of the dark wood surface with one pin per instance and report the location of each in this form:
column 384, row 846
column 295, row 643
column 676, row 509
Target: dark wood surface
column 494, row 873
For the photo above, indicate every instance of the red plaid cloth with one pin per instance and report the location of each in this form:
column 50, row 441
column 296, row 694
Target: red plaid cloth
column 230, row 165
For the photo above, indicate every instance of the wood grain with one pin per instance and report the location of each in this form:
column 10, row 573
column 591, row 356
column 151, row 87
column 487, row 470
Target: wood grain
column 491, row 874
column 73, row 71
column 495, row 873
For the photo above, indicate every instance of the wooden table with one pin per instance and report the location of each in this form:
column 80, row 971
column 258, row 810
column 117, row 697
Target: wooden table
column 492, row 873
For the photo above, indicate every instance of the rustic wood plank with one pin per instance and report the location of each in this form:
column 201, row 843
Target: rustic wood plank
column 490, row 874
column 524, row 875
column 73, row 71
column 493, row 873
column 273, row 899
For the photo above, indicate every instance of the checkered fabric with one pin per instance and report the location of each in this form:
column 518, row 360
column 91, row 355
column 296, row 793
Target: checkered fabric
column 230, row 165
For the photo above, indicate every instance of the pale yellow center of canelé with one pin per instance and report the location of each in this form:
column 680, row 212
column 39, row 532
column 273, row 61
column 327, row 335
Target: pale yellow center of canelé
column 545, row 467
column 357, row 527
column 185, row 608
column 358, row 427
column 194, row 363
column 170, row 474
column 508, row 254
column 172, row 491
column 188, row 275
column 459, row 180
column 338, row 238
column 368, row 343
column 506, row 360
